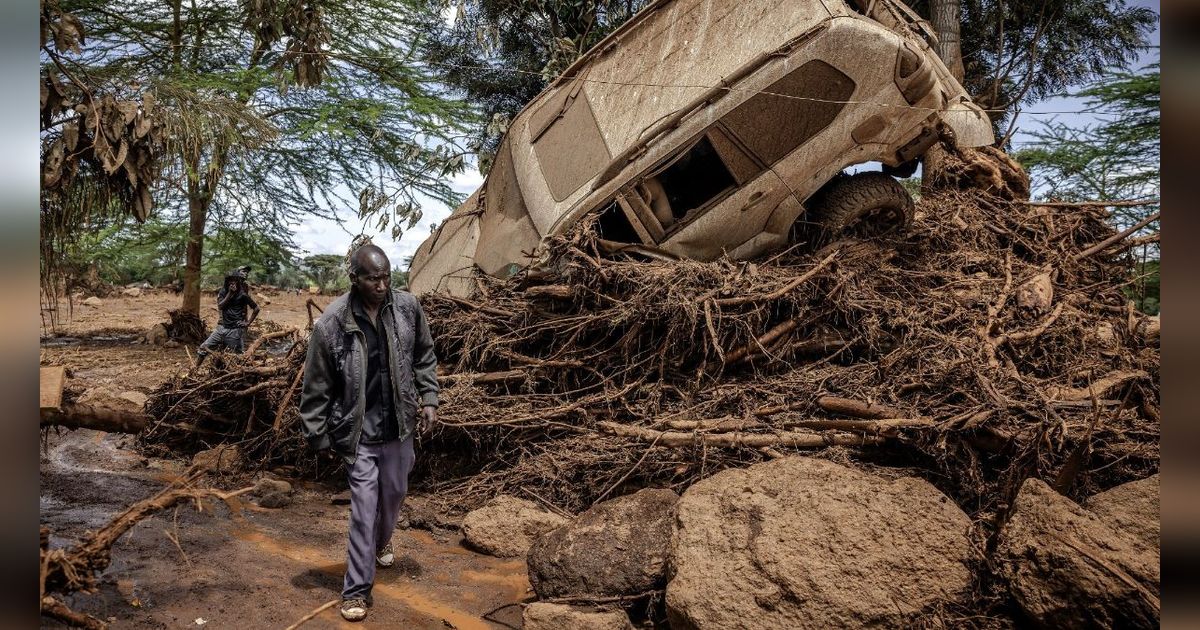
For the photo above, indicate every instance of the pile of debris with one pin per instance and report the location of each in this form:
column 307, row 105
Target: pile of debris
column 989, row 343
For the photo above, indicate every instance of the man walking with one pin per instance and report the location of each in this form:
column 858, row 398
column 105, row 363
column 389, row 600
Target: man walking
column 370, row 356
column 232, row 301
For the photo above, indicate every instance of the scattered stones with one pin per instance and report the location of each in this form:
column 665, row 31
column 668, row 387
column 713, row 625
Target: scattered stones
column 506, row 526
column 546, row 616
column 222, row 458
column 616, row 548
column 806, row 543
column 93, row 301
column 1132, row 508
column 1067, row 567
column 132, row 292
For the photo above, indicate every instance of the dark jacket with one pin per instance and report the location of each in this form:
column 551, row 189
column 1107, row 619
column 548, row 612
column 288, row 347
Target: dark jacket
column 332, row 400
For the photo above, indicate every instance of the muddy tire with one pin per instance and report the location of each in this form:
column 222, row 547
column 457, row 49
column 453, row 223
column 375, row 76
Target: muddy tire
column 865, row 203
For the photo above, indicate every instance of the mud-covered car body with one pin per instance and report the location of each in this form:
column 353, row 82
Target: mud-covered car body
column 701, row 127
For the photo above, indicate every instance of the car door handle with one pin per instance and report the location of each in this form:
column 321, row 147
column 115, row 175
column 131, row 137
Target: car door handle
column 753, row 200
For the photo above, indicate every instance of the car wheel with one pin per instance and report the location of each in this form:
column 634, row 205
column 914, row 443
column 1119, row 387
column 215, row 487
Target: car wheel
column 865, row 203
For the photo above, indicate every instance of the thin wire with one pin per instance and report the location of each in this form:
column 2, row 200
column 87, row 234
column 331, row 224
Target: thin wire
column 351, row 57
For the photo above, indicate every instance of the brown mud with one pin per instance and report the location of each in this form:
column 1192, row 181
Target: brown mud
column 233, row 565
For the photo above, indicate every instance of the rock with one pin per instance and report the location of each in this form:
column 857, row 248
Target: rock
column 507, row 526
column 1067, row 567
column 222, row 458
column 266, row 486
column 1133, row 508
column 93, row 301
column 157, row 335
column 617, row 547
column 421, row 513
column 171, row 343
column 545, row 616
column 132, row 292
column 137, row 398
column 806, row 543
column 1036, row 294
column 275, row 500
column 340, row 498
column 102, row 396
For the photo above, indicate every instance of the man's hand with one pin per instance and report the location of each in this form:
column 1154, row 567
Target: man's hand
column 428, row 420
column 245, row 323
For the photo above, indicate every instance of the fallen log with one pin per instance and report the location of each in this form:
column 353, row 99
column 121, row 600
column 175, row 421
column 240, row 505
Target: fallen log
column 278, row 334
column 857, row 408
column 482, row 378
column 1098, row 388
column 75, row 568
column 1102, row 245
column 76, row 416
column 733, row 440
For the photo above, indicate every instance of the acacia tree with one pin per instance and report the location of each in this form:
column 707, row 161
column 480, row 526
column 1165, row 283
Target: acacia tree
column 248, row 114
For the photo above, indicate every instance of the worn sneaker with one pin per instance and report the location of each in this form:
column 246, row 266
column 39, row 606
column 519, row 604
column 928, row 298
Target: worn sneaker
column 354, row 609
column 386, row 556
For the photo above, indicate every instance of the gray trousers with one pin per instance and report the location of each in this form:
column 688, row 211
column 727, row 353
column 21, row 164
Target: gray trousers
column 378, row 484
column 222, row 337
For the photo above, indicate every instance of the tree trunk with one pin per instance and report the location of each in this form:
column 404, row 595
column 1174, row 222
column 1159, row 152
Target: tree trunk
column 945, row 16
column 197, row 217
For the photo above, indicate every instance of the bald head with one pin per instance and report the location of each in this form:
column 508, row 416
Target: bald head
column 368, row 255
column 370, row 274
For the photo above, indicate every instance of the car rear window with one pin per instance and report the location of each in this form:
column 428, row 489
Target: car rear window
column 776, row 121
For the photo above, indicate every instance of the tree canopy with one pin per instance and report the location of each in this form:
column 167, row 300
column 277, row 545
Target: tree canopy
column 249, row 115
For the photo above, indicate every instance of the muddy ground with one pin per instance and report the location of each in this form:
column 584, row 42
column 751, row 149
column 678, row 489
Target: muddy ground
column 238, row 566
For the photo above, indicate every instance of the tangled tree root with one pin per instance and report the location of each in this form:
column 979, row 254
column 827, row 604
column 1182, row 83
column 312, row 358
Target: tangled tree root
column 977, row 349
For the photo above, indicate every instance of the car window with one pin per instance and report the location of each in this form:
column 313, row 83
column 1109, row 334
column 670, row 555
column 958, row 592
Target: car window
column 570, row 149
column 789, row 112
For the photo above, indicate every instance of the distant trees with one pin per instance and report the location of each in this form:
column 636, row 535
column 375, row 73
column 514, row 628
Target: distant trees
column 324, row 269
column 154, row 252
column 1115, row 159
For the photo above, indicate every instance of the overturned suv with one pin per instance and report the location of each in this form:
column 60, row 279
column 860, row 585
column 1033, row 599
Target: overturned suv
column 703, row 128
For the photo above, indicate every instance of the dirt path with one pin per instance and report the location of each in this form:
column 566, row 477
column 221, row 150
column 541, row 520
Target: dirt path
column 237, row 566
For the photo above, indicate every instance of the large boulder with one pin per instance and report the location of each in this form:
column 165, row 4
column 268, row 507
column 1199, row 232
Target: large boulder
column 545, row 616
column 616, row 548
column 806, row 543
column 506, row 526
column 1132, row 508
column 1068, row 568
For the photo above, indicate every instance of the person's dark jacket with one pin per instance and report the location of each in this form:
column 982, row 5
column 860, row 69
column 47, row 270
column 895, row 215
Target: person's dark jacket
column 332, row 401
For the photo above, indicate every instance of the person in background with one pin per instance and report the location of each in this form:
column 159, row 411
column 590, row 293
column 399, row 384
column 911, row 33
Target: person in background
column 233, row 302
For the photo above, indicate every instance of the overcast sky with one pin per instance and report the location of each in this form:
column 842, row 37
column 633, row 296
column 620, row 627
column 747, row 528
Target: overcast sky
column 324, row 236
